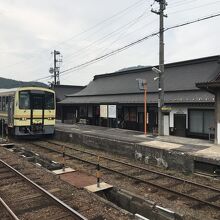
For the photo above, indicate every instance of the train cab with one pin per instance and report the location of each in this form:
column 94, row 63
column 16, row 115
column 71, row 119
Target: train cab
column 28, row 110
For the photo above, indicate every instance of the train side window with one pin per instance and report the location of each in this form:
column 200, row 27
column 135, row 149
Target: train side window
column 49, row 100
column 24, row 100
column 6, row 103
column 3, row 103
column 0, row 103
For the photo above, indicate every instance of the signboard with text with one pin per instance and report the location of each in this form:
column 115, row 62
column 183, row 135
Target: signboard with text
column 103, row 111
column 112, row 111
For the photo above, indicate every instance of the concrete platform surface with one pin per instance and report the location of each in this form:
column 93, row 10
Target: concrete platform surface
column 197, row 147
column 167, row 151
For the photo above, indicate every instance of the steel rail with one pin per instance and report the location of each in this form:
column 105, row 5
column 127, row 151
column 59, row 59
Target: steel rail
column 142, row 168
column 9, row 211
column 134, row 178
column 73, row 212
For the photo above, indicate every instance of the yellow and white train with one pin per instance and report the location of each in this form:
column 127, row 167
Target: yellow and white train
column 28, row 110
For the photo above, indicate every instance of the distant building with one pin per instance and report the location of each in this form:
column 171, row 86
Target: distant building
column 116, row 99
column 61, row 91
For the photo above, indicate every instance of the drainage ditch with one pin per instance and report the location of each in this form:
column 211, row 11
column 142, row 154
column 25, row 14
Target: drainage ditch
column 141, row 206
column 205, row 168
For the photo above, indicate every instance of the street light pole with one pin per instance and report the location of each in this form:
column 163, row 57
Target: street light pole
column 142, row 83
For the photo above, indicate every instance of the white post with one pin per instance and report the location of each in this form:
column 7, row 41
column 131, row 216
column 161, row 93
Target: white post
column 2, row 129
column 218, row 133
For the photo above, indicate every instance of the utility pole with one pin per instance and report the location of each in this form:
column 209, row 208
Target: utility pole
column 55, row 67
column 55, row 70
column 160, row 12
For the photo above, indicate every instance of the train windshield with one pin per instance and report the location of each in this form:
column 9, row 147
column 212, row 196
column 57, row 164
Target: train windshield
column 24, row 100
column 36, row 100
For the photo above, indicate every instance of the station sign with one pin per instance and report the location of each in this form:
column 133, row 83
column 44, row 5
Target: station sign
column 166, row 108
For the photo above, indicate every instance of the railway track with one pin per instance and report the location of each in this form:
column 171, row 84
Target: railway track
column 177, row 186
column 7, row 213
column 22, row 198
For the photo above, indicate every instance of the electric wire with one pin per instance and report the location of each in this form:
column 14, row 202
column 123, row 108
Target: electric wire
column 193, row 8
column 64, row 72
column 103, row 22
column 122, row 36
column 137, row 42
column 107, row 36
column 180, row 3
column 117, row 14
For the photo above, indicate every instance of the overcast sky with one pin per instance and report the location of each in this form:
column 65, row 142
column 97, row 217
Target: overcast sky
column 85, row 29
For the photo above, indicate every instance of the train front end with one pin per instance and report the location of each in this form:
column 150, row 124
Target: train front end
column 34, row 111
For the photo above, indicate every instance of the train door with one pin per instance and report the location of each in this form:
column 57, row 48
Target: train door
column 10, row 111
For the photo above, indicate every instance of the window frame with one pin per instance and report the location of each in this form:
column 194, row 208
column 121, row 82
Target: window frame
column 0, row 103
column 203, row 123
column 19, row 99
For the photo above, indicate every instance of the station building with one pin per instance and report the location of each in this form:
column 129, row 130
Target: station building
column 61, row 92
column 117, row 99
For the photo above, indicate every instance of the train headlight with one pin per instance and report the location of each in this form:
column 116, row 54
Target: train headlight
column 23, row 119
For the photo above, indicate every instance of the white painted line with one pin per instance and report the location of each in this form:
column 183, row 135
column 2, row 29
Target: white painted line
column 140, row 217
column 94, row 188
column 7, row 144
column 61, row 171
column 38, row 164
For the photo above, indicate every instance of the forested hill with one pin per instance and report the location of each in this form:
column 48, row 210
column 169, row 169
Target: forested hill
column 10, row 83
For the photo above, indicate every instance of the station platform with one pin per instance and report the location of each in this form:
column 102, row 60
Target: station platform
column 180, row 153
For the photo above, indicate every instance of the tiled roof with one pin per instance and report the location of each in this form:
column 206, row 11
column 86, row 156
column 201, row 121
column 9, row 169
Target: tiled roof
column 179, row 81
column 63, row 90
column 170, row 97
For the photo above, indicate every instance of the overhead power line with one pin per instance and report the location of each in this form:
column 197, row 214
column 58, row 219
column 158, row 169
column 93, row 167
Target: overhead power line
column 103, row 21
column 180, row 3
column 193, row 8
column 42, row 51
column 85, row 64
column 138, row 41
column 194, row 21
column 119, row 29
